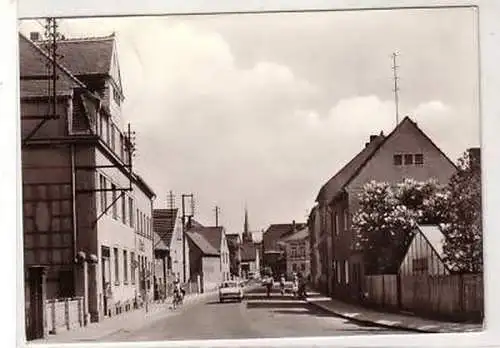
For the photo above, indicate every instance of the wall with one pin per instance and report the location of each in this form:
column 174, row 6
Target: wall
column 176, row 251
column 117, row 233
column 64, row 314
column 420, row 249
column 224, row 259
column 449, row 297
column 212, row 276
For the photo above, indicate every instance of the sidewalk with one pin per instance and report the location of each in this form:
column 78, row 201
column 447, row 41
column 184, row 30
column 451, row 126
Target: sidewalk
column 128, row 321
column 388, row 320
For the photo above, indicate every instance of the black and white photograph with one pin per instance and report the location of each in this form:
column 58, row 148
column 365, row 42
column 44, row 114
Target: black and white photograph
column 253, row 175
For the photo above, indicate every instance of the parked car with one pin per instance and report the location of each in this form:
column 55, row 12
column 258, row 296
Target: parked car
column 231, row 290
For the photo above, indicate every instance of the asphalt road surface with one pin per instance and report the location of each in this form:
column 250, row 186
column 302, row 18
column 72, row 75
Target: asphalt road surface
column 256, row 317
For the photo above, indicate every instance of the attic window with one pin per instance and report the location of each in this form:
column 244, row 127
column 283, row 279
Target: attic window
column 116, row 96
column 408, row 159
column 419, row 159
column 398, row 160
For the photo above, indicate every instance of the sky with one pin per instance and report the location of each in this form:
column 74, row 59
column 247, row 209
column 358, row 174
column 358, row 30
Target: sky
column 260, row 110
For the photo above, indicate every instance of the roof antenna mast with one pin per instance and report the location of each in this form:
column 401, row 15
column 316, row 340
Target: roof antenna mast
column 396, row 84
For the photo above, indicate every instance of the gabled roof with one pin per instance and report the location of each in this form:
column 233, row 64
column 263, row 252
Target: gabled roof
column 202, row 243
column 303, row 233
column 342, row 178
column 335, row 185
column 35, row 73
column 213, row 235
column 164, row 223
column 86, row 56
column 436, row 239
column 159, row 243
column 275, row 232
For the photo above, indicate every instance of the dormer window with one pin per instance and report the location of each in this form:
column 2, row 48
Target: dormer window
column 116, row 96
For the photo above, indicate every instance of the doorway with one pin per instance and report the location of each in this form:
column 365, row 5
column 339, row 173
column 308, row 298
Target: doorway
column 106, row 278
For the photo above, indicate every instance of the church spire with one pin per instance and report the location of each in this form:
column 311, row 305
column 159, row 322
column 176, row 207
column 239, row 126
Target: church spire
column 247, row 236
column 245, row 227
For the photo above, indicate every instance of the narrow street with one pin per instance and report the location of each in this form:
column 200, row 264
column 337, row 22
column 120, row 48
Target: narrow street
column 256, row 317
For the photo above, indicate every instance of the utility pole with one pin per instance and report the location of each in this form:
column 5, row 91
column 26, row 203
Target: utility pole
column 184, row 216
column 396, row 85
column 217, row 211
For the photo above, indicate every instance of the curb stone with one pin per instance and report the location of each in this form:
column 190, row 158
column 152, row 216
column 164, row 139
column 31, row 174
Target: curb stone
column 381, row 323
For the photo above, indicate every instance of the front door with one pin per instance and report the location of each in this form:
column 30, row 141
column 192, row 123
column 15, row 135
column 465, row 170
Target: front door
column 106, row 278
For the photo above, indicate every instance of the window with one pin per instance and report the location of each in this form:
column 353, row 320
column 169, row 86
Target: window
column 303, row 267
column 102, row 122
column 338, row 271
column 336, row 224
column 122, row 148
column 131, row 212
column 117, row 268
column 116, row 96
column 138, row 224
column 125, row 267
column 420, row 265
column 108, row 130
column 408, row 159
column 346, row 267
column 113, row 140
column 104, row 194
column 346, row 220
column 419, row 159
column 132, row 267
column 398, row 160
column 113, row 197
column 124, row 209
column 294, row 267
column 294, row 252
column 302, row 251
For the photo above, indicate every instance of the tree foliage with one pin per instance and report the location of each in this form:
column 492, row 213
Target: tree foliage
column 386, row 218
column 463, row 247
column 384, row 223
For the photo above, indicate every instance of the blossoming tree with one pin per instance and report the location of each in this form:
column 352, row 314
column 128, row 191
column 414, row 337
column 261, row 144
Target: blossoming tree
column 384, row 223
column 463, row 247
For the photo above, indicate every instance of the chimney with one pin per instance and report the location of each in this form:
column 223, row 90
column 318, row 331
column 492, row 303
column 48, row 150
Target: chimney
column 475, row 156
column 35, row 36
column 293, row 225
column 373, row 137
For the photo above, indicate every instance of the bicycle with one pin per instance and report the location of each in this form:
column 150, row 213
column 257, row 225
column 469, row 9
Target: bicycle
column 177, row 300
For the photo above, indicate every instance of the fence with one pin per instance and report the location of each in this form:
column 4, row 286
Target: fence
column 64, row 313
column 457, row 296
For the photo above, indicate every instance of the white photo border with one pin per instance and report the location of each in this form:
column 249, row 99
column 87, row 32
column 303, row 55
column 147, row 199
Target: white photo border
column 489, row 37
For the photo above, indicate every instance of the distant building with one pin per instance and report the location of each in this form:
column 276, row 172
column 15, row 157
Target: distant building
column 87, row 214
column 209, row 255
column 249, row 252
column 405, row 153
column 168, row 248
column 316, row 243
column 297, row 253
column 273, row 252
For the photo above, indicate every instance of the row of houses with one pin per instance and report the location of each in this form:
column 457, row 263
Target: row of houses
column 92, row 238
column 419, row 276
column 323, row 248
column 407, row 152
